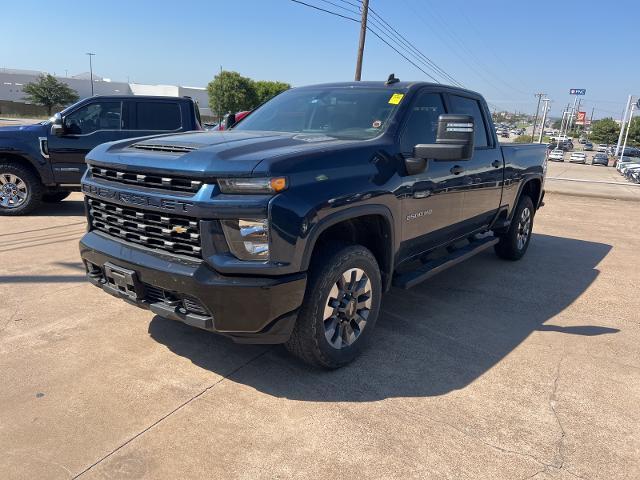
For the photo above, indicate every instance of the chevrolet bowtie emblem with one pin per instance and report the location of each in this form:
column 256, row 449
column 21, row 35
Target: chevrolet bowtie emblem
column 179, row 229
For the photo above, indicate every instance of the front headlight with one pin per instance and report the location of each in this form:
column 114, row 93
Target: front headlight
column 252, row 185
column 247, row 239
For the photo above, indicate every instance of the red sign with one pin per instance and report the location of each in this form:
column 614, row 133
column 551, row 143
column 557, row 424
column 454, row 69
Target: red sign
column 581, row 118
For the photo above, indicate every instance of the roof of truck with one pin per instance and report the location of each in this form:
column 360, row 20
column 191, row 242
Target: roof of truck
column 382, row 84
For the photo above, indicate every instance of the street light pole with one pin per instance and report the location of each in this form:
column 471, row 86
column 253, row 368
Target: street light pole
column 363, row 35
column 624, row 119
column 626, row 135
column 91, row 70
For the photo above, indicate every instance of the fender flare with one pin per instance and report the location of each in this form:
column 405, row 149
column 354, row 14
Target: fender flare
column 349, row 214
column 41, row 168
column 525, row 180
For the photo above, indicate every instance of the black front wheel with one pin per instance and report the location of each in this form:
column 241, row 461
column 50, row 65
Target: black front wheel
column 340, row 307
column 514, row 242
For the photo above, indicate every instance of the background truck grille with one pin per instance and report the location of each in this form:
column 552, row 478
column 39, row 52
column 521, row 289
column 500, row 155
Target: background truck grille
column 162, row 231
column 152, row 181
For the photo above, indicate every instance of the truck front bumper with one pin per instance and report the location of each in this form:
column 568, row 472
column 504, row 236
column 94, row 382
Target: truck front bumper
column 247, row 309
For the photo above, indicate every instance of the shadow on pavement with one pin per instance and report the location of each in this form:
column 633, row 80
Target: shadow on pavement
column 61, row 209
column 438, row 337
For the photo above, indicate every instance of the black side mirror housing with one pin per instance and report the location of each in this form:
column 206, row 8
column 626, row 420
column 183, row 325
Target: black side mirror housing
column 454, row 141
column 57, row 125
column 229, row 121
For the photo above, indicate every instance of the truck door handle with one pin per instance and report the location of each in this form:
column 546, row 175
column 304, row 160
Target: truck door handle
column 496, row 163
column 457, row 170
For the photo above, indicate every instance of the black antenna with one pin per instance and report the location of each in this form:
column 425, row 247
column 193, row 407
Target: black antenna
column 391, row 80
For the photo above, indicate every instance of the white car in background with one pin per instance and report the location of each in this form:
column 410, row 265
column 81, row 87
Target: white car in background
column 578, row 157
column 556, row 155
column 602, row 147
column 625, row 161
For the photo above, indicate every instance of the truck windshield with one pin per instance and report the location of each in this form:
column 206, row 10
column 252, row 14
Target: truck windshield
column 344, row 113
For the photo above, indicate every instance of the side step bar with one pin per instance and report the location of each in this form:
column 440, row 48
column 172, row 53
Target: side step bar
column 433, row 267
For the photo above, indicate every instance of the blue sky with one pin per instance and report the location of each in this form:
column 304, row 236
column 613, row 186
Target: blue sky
column 507, row 50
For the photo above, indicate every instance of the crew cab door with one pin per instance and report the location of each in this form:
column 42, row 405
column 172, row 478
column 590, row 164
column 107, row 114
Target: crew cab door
column 431, row 200
column 482, row 175
column 88, row 126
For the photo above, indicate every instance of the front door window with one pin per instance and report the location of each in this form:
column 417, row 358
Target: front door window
column 93, row 117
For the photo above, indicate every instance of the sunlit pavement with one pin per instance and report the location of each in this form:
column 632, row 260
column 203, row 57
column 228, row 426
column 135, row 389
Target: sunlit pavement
column 490, row 370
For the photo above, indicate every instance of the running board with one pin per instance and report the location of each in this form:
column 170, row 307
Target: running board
column 433, row 267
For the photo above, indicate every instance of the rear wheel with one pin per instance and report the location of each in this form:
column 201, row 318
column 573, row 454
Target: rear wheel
column 55, row 197
column 514, row 243
column 340, row 307
column 20, row 190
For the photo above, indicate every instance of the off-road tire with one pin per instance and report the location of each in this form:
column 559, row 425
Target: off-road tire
column 54, row 197
column 511, row 245
column 308, row 340
column 35, row 189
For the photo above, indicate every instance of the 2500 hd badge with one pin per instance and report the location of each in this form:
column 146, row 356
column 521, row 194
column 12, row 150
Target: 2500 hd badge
column 135, row 199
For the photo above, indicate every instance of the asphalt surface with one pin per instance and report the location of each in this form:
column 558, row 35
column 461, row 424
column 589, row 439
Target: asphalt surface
column 491, row 370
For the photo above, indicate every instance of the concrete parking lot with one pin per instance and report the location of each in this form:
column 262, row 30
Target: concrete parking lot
column 490, row 370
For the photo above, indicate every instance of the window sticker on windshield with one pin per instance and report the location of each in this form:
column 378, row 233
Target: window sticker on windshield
column 377, row 124
column 395, row 98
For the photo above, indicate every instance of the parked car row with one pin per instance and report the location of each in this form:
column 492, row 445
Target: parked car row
column 629, row 167
column 557, row 155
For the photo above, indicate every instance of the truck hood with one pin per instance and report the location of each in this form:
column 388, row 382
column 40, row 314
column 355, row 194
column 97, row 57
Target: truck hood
column 215, row 153
column 16, row 130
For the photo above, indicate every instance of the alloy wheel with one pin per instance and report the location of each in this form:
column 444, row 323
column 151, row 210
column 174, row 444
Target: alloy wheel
column 524, row 227
column 347, row 308
column 13, row 191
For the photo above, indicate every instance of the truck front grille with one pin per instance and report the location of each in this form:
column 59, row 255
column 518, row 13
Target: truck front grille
column 168, row 232
column 153, row 181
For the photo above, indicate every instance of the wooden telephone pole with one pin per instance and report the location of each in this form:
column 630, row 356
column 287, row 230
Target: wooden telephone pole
column 363, row 35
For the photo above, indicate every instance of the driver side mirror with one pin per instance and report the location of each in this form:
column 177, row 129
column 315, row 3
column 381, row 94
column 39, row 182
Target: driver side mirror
column 454, row 142
column 57, row 125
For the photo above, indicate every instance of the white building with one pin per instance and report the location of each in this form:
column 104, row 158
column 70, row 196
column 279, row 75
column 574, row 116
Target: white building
column 12, row 81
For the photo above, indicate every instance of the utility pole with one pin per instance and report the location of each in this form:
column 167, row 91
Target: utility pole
column 545, row 109
column 91, row 70
column 363, row 35
column 539, row 95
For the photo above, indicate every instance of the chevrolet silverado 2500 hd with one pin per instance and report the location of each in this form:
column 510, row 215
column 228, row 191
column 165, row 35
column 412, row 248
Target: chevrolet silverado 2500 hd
column 290, row 226
column 45, row 162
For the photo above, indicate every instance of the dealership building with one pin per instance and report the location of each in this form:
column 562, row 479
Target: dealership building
column 13, row 81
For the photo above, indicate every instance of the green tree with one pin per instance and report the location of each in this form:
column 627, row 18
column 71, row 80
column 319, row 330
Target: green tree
column 556, row 125
column 231, row 92
column 634, row 132
column 266, row 89
column 523, row 139
column 605, row 131
column 49, row 92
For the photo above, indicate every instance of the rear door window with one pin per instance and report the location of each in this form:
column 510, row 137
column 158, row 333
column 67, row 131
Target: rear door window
column 158, row 116
column 471, row 106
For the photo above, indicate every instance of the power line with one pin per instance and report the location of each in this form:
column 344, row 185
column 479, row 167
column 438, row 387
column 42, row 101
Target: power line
column 324, row 10
column 382, row 28
column 400, row 39
column 394, row 35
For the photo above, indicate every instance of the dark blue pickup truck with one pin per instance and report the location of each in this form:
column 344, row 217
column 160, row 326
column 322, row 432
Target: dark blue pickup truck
column 288, row 227
column 45, row 162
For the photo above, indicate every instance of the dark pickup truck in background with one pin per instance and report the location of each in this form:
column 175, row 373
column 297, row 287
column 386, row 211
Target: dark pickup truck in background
column 45, row 162
column 290, row 226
